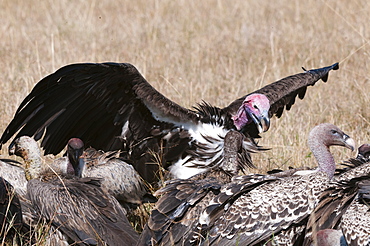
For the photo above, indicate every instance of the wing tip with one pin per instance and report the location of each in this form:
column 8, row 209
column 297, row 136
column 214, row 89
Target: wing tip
column 323, row 72
column 335, row 66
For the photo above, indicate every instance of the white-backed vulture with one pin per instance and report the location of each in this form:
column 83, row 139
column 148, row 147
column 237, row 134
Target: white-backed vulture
column 119, row 178
column 13, row 172
column 110, row 106
column 219, row 208
column 344, row 205
column 10, row 211
column 78, row 207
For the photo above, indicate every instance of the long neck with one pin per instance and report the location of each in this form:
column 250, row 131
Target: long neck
column 232, row 143
column 325, row 159
column 79, row 168
column 33, row 164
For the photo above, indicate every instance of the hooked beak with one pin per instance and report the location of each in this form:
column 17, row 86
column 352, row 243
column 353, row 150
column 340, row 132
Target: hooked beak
column 349, row 142
column 262, row 122
column 14, row 149
column 245, row 116
column 74, row 155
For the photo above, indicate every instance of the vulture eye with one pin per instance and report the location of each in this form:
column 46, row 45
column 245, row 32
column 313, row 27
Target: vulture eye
column 255, row 106
column 334, row 132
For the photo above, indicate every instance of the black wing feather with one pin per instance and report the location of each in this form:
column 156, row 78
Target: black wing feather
column 81, row 100
column 283, row 92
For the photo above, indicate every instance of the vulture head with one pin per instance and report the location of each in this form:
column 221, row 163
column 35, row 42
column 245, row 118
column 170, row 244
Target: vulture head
column 254, row 109
column 364, row 152
column 28, row 149
column 25, row 147
column 321, row 138
column 75, row 149
column 327, row 135
column 329, row 237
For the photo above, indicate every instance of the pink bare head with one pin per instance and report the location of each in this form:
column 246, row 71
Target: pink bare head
column 255, row 110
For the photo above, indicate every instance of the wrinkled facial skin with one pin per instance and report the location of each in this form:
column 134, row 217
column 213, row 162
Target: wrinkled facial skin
column 255, row 110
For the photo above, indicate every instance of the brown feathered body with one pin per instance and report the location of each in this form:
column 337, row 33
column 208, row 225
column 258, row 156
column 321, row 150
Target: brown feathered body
column 10, row 211
column 344, row 205
column 82, row 210
column 118, row 177
column 78, row 208
column 244, row 210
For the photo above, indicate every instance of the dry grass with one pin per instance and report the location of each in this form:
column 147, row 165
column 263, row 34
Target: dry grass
column 211, row 50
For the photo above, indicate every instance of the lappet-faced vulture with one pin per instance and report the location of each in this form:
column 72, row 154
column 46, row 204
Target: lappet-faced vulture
column 111, row 106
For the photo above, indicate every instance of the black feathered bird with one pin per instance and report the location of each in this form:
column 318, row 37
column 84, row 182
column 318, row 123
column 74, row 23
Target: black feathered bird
column 111, row 106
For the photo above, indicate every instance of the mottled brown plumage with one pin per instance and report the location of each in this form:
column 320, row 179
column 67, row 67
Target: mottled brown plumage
column 344, row 205
column 119, row 178
column 355, row 222
column 176, row 214
column 13, row 172
column 111, row 106
column 10, row 210
column 276, row 206
column 78, row 207
column 208, row 209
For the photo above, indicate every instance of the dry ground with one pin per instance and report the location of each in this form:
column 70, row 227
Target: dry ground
column 211, row 50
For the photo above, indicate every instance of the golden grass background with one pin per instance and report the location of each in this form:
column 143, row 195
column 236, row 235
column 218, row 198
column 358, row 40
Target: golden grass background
column 211, row 50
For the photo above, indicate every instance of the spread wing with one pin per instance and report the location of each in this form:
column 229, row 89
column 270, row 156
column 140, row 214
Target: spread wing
column 92, row 102
column 263, row 212
column 186, row 204
column 176, row 212
column 282, row 93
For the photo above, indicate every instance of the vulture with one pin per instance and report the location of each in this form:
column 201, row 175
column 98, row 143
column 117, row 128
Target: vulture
column 119, row 178
column 175, row 216
column 330, row 237
column 344, row 205
column 77, row 207
column 13, row 172
column 219, row 207
column 10, row 211
column 110, row 106
column 15, row 182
